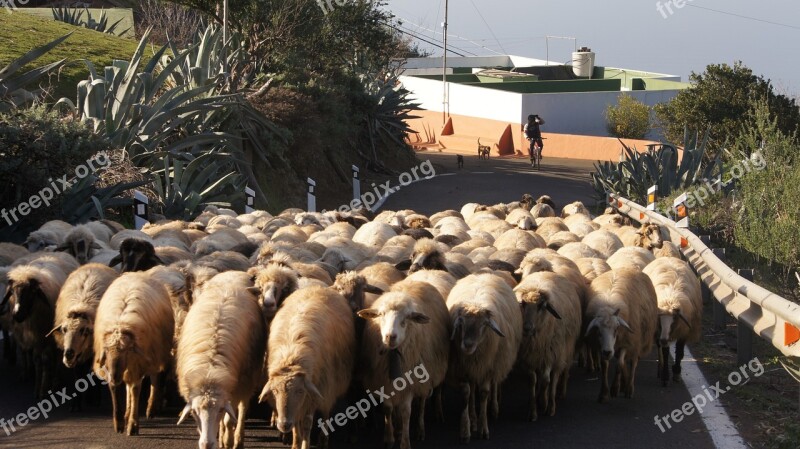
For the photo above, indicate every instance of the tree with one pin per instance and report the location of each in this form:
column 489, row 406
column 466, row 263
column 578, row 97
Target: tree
column 629, row 119
column 719, row 99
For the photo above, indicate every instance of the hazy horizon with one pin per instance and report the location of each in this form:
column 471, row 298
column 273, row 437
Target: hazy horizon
column 631, row 34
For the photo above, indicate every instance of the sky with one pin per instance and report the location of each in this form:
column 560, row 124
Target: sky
column 630, row 34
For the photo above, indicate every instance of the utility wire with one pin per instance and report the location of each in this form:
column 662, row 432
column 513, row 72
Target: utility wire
column 415, row 34
column 452, row 35
column 487, row 26
column 745, row 17
column 412, row 34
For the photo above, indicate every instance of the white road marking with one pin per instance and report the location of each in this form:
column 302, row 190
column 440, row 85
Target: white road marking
column 482, row 172
column 720, row 427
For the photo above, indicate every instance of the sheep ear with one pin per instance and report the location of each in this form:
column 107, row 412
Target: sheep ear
column 229, row 410
column 456, row 324
column 616, row 312
column 592, row 324
column 7, row 295
column 493, row 326
column 404, row 265
column 369, row 288
column 624, row 324
column 95, row 245
column 552, row 311
column 158, row 259
column 115, row 261
column 53, row 331
column 683, row 318
column 420, row 318
column 266, row 394
column 313, row 390
column 368, row 314
column 184, row 414
column 61, row 248
column 254, row 291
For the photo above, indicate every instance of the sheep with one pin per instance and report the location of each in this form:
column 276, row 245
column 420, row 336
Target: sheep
column 445, row 213
column 668, row 249
column 136, row 255
column 647, row 237
column 604, row 242
column 581, row 228
column 133, row 338
column 591, row 267
column 542, row 210
column 545, row 199
column 561, row 238
column 292, row 234
column 467, row 247
column 395, row 250
column 374, row 235
column 519, row 239
column 514, row 257
column 482, row 358
column 273, row 284
column 83, row 241
column 177, row 282
column 548, row 227
column 76, row 308
column 518, row 215
column 416, row 221
column 48, row 236
column 172, row 238
column 33, row 285
column 220, row 360
column 631, row 257
column 575, row 208
column 680, row 309
column 429, row 256
column 10, row 252
column 224, row 220
column 344, row 255
column 169, row 255
column 551, row 312
column 442, row 281
column 540, row 260
column 456, row 226
column 355, row 287
column 310, row 362
column 407, row 330
column 222, row 240
column 622, row 317
column 578, row 250
column 225, row 261
column 612, row 218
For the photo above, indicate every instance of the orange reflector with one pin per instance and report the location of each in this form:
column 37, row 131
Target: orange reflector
column 791, row 334
column 651, row 198
column 619, row 203
column 682, row 211
column 684, row 242
column 641, row 215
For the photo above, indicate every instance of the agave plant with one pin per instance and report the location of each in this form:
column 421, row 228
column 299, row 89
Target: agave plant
column 13, row 92
column 74, row 16
column 101, row 24
column 71, row 16
column 85, row 201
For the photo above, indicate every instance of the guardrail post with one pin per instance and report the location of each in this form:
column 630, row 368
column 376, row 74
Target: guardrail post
column 356, row 183
column 706, row 292
column 744, row 335
column 250, row 194
column 652, row 197
column 681, row 211
column 720, row 314
column 140, row 204
column 312, row 199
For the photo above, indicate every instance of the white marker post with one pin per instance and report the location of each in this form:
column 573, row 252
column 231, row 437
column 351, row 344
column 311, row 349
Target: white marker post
column 682, row 211
column 652, row 197
column 251, row 197
column 312, row 199
column 140, row 203
column 356, row 183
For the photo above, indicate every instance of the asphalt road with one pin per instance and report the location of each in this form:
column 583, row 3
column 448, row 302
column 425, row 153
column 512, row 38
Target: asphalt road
column 580, row 420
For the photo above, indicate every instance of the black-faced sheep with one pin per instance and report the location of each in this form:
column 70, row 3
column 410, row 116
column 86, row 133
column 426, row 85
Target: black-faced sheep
column 136, row 255
column 133, row 338
column 407, row 331
column 428, row 255
column 221, row 360
column 551, row 314
column 622, row 317
column 76, row 309
column 311, row 358
column 487, row 330
column 680, row 309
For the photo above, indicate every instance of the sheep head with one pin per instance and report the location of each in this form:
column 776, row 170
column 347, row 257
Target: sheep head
column 469, row 327
column 272, row 285
column 136, row 255
column 427, row 255
column 353, row 286
column 606, row 325
column 289, row 392
column 393, row 312
column 526, row 202
column 533, row 264
column 22, row 295
column 112, row 361
column 535, row 306
column 75, row 335
column 668, row 321
column 545, row 199
column 208, row 409
column 41, row 241
column 649, row 236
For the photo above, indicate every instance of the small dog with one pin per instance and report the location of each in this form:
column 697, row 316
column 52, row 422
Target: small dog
column 460, row 159
column 483, row 150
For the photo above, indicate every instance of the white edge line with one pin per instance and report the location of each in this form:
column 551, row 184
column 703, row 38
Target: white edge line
column 720, row 427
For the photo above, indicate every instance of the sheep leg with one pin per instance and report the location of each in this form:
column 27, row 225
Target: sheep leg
column 116, row 409
column 533, row 413
column 421, row 418
column 473, row 417
column 388, row 427
column 238, row 437
column 464, row 434
column 551, row 405
column 9, row 348
column 438, row 406
column 404, row 412
column 563, row 380
column 305, row 428
column 495, row 410
column 544, row 388
column 676, row 368
column 631, row 377
column 38, row 375
column 604, row 390
column 483, row 405
column 323, row 436
column 154, row 401
column 297, row 437
column 620, row 376
column 663, row 364
column 133, row 406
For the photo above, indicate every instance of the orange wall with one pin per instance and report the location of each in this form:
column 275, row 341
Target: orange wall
column 568, row 146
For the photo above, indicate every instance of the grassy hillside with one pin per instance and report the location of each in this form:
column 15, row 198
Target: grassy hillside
column 20, row 32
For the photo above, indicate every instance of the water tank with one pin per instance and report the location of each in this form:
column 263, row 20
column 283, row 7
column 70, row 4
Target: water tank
column 583, row 62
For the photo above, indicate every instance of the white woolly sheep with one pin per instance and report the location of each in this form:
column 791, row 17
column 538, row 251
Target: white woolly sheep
column 575, row 208
column 622, row 317
column 311, row 358
column 407, row 331
column 374, row 235
column 133, row 338
column 648, row 236
column 221, row 360
column 222, row 240
column 604, row 242
column 442, row 281
column 48, row 236
column 10, row 252
column 591, row 267
column 630, row 257
column 668, row 249
column 487, row 330
column 680, row 310
column 84, row 240
column 578, row 250
column 551, row 325
column 519, row 239
column 273, row 284
column 76, row 308
column 561, row 238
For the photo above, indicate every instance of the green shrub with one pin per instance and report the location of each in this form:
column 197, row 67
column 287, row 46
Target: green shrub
column 629, row 119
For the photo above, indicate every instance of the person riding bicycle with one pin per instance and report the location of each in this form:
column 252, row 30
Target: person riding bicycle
column 534, row 134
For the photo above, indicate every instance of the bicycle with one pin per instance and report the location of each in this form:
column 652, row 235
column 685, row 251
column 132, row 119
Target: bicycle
column 535, row 152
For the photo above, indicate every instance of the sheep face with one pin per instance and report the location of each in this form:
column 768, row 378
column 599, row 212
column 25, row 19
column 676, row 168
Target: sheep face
column 290, row 394
column 113, row 360
column 353, row 287
column 82, row 249
column 208, row 413
column 526, row 223
column 607, row 326
column 427, row 260
column 22, row 297
column 651, row 236
column 76, row 335
column 136, row 255
column 335, row 259
column 536, row 308
column 668, row 321
column 469, row 329
column 394, row 320
column 40, row 242
column 272, row 286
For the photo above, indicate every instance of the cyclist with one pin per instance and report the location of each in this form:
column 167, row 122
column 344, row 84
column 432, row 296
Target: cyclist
column 534, row 134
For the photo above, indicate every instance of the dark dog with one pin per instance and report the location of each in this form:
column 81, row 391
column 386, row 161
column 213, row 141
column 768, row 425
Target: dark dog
column 460, row 159
column 483, row 150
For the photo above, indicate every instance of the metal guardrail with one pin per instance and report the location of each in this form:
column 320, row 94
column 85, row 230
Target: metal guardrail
column 769, row 315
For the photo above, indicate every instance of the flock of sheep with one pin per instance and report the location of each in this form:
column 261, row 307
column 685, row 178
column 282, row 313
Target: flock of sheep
column 307, row 309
